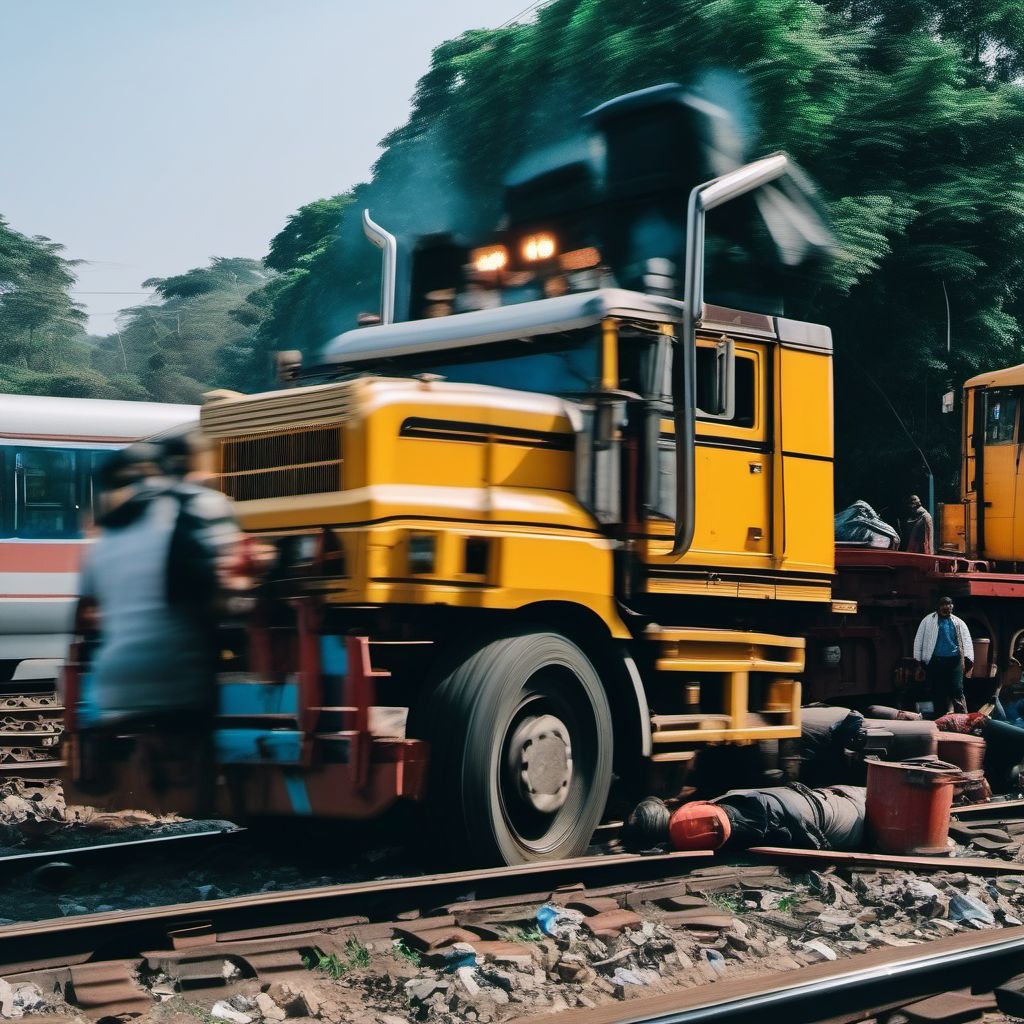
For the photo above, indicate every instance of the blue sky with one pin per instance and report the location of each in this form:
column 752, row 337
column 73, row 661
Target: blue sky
column 149, row 135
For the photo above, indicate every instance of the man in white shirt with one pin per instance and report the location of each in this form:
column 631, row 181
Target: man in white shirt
column 944, row 653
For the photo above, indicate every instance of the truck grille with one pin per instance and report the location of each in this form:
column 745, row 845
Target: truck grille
column 281, row 465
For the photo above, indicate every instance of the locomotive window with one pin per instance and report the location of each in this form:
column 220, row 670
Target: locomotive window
column 1000, row 415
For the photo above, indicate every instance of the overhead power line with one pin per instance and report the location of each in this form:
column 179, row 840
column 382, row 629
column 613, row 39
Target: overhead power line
column 523, row 13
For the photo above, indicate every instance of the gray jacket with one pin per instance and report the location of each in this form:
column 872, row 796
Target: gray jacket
column 156, row 651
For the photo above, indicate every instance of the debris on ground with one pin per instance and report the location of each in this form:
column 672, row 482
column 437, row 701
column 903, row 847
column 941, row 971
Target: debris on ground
column 32, row 809
column 492, row 960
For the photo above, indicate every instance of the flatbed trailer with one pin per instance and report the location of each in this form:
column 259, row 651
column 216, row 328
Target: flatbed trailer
column 865, row 655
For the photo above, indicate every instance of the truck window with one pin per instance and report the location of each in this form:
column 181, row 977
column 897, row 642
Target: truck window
column 746, row 406
column 1000, row 415
column 637, row 363
column 745, row 412
column 552, row 364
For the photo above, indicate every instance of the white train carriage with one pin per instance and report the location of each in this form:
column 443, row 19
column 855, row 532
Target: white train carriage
column 49, row 451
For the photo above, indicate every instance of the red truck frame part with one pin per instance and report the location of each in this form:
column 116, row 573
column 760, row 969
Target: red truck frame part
column 285, row 742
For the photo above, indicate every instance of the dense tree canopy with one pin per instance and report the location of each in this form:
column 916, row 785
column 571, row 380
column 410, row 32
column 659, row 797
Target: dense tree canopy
column 40, row 325
column 908, row 113
column 171, row 349
column 188, row 341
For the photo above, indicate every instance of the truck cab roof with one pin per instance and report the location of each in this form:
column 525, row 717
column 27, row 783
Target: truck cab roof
column 552, row 316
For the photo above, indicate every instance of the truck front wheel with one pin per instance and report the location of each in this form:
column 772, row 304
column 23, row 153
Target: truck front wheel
column 521, row 751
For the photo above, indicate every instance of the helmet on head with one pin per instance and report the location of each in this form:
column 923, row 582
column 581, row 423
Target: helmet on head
column 128, row 466
column 699, row 826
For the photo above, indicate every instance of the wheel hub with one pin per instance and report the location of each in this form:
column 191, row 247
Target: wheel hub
column 540, row 762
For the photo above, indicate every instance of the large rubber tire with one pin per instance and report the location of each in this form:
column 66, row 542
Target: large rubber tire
column 528, row 692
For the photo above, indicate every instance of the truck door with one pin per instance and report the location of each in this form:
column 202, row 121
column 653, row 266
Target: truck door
column 733, row 542
column 1001, row 468
column 734, row 470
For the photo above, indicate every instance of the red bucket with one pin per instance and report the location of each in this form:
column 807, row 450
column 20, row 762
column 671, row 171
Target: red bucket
column 967, row 752
column 908, row 806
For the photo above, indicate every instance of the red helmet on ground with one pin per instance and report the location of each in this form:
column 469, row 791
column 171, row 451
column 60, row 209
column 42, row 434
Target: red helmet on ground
column 699, row 826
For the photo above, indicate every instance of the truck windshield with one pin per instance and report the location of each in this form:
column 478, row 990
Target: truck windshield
column 554, row 364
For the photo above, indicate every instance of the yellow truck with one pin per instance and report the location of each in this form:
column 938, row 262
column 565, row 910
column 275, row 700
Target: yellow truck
column 567, row 537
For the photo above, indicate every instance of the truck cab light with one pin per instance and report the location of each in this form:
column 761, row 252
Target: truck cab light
column 579, row 259
column 490, row 259
column 538, row 247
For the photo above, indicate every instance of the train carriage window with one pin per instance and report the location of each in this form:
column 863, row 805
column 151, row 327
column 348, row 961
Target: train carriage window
column 6, row 491
column 45, row 494
column 1000, row 415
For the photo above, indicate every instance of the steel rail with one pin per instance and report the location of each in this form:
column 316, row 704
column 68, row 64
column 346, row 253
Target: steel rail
column 121, row 933
column 824, row 992
column 114, row 851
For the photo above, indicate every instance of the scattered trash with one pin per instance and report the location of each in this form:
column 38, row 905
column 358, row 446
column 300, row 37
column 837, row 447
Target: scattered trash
column 458, row 956
column 963, row 907
column 819, row 947
column 269, row 1010
column 624, row 976
column 558, row 922
column 715, row 959
column 17, row 1000
column 223, row 1010
column 467, row 978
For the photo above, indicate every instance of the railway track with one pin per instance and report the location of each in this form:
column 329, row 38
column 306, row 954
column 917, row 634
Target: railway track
column 77, row 939
column 116, row 852
column 31, row 726
column 956, row 975
column 98, row 958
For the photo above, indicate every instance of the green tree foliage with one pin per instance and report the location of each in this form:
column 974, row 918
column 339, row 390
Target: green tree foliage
column 170, row 350
column 909, row 115
column 41, row 346
column 174, row 349
column 297, row 307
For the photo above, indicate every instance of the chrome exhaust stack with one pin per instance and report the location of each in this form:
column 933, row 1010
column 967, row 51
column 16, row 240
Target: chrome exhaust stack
column 388, row 245
column 703, row 198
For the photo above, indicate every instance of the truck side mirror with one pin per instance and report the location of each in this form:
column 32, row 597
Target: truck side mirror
column 287, row 365
column 716, row 380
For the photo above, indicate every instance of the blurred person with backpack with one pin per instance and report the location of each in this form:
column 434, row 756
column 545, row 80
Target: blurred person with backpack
column 154, row 574
column 156, row 579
